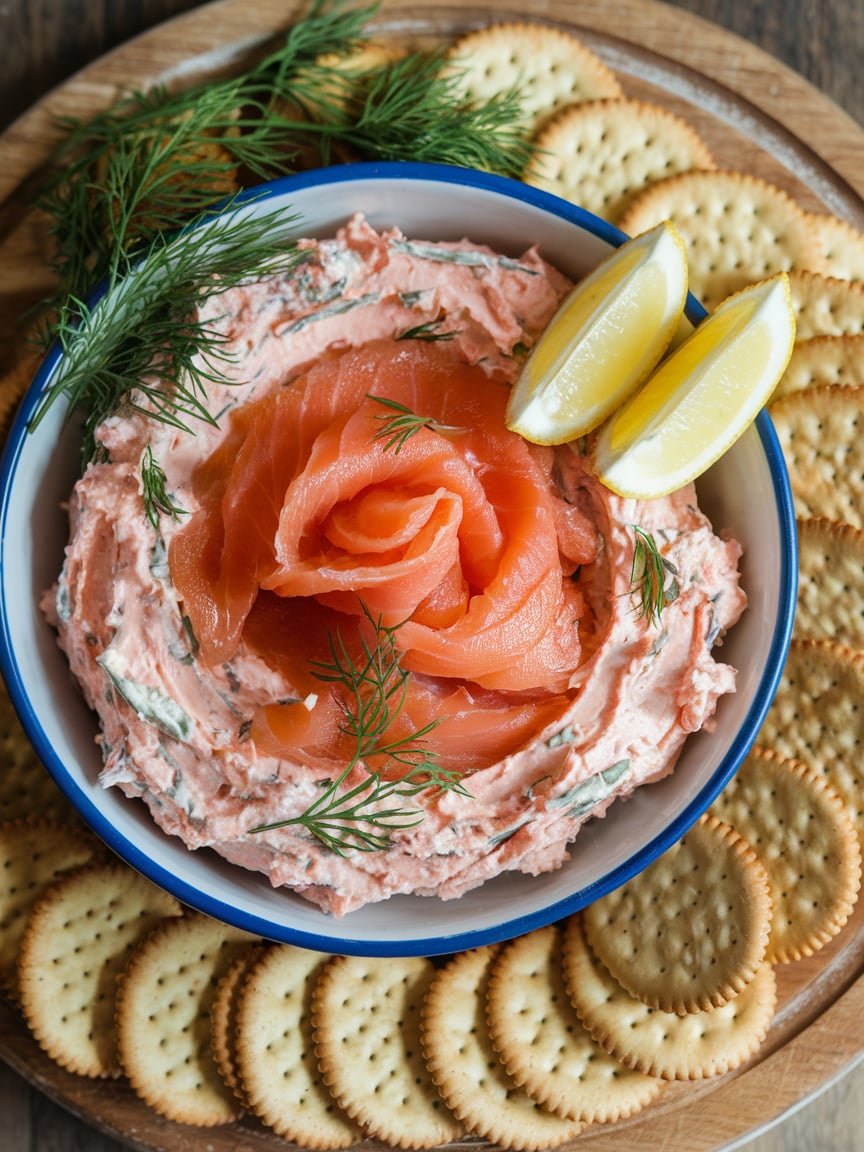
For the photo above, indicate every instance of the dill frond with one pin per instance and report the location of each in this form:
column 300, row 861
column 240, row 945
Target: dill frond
column 376, row 686
column 157, row 501
column 414, row 108
column 650, row 574
column 399, row 427
column 156, row 159
column 429, row 332
column 142, row 344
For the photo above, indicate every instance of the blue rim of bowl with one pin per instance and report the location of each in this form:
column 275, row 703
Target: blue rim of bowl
column 549, row 913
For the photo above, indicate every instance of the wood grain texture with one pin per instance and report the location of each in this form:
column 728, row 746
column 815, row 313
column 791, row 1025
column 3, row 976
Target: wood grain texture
column 42, row 42
column 818, row 40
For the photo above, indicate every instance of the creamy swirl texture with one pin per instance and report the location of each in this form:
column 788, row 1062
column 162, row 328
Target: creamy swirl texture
column 498, row 575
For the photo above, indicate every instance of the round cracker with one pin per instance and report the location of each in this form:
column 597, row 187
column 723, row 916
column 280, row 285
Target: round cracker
column 550, row 67
column 826, row 305
column 366, row 1023
column 738, row 229
column 601, row 154
column 801, row 831
column 830, row 582
column 842, row 247
column 464, row 1065
column 275, row 1051
column 79, row 937
column 223, row 1018
column 823, row 360
column 819, row 431
column 665, row 1044
column 33, row 853
column 817, row 716
column 543, row 1044
column 26, row 787
column 163, row 1019
column 690, row 931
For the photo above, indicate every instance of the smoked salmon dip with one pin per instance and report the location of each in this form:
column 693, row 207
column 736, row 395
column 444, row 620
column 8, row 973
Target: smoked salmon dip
column 383, row 645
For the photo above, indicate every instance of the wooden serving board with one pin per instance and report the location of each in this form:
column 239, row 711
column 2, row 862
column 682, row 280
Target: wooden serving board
column 755, row 115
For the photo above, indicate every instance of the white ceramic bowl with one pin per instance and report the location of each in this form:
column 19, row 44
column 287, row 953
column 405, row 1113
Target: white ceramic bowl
column 745, row 494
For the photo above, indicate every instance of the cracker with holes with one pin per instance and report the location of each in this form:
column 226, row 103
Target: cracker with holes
column 33, row 853
column 826, row 305
column 163, row 1021
column 601, row 154
column 79, row 936
column 694, row 1046
column 803, row 834
column 25, row 785
column 223, row 1017
column 823, row 360
column 738, row 229
column 842, row 246
column 366, row 1022
column 464, row 1064
column 817, row 716
column 830, row 582
column 543, row 1044
column 275, row 1051
column 819, row 431
column 550, row 68
column 690, row 932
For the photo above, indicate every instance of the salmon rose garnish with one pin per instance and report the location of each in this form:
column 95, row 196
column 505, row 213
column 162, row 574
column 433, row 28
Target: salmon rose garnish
column 314, row 522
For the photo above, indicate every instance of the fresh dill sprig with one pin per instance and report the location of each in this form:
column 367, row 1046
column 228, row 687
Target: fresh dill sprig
column 161, row 159
column 650, row 574
column 156, row 500
column 343, row 820
column 396, row 429
column 377, row 686
column 156, row 159
column 415, row 108
column 142, row 345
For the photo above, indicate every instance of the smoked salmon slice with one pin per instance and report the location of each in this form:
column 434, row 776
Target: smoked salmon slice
column 311, row 519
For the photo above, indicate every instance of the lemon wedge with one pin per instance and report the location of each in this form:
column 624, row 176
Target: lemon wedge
column 604, row 340
column 702, row 397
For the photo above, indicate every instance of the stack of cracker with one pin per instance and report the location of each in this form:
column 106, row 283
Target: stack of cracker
column 525, row 1044
column 673, row 977
column 636, row 165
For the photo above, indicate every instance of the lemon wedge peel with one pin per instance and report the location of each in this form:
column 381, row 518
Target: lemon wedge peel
column 604, row 341
column 703, row 397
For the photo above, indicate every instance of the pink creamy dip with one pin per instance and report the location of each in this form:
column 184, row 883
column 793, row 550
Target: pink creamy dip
column 174, row 731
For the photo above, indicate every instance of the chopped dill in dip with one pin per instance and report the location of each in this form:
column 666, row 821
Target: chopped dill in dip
column 361, row 638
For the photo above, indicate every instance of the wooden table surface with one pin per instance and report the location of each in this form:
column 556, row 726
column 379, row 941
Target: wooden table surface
column 42, row 43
